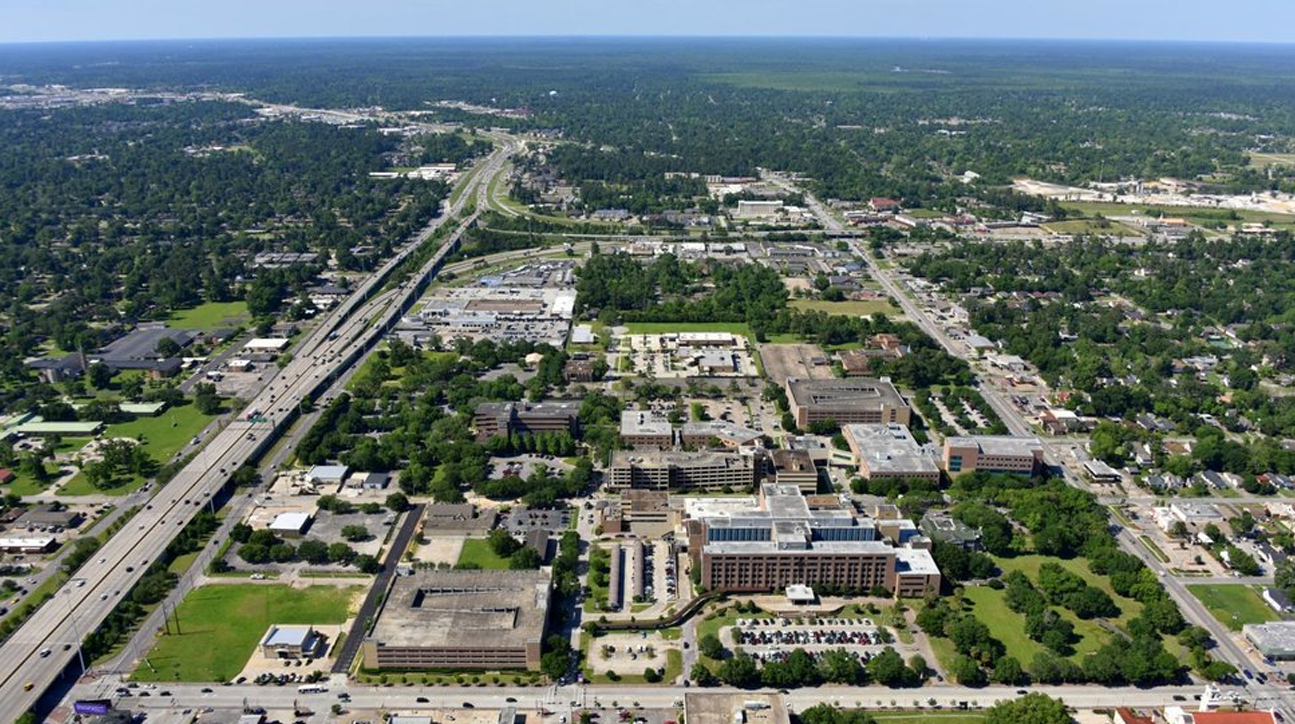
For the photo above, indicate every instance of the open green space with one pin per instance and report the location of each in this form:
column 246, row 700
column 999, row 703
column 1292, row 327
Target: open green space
column 1234, row 604
column 477, row 551
column 26, row 484
column 852, row 308
column 211, row 315
column 1092, row 226
column 163, row 436
column 1264, row 160
column 1194, row 214
column 220, row 626
column 1008, row 626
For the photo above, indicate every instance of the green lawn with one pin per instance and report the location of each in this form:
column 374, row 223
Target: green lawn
column 1193, row 214
column 1091, row 226
column 24, row 484
column 220, row 626
column 163, row 437
column 1234, row 604
column 853, row 308
column 477, row 550
column 1009, row 627
column 210, row 316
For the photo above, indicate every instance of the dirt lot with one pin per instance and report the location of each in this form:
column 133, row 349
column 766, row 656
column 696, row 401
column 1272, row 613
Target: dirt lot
column 441, row 549
column 793, row 360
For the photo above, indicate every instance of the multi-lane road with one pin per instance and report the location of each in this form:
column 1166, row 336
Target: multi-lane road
column 39, row 652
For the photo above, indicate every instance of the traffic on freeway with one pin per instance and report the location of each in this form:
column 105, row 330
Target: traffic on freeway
column 44, row 647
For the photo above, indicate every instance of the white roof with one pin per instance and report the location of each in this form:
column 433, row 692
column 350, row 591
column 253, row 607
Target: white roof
column 328, row 472
column 37, row 541
column 290, row 521
column 583, row 334
column 798, row 592
column 271, row 343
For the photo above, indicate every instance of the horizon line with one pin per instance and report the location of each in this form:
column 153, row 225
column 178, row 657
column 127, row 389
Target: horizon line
column 646, row 36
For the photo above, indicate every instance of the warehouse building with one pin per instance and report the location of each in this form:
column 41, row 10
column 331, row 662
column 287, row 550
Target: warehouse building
column 666, row 470
column 889, row 451
column 448, row 619
column 1275, row 640
column 993, row 454
column 292, row 642
column 784, row 541
column 849, row 401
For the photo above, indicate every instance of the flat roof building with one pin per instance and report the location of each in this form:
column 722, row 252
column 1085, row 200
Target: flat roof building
column 328, row 474
column 290, row 525
column 727, row 434
column 794, row 467
column 889, row 451
column 27, row 544
column 945, row 528
column 993, row 454
column 784, row 541
column 845, row 402
column 667, row 470
column 734, row 708
column 291, row 642
column 646, row 430
column 1275, row 640
column 507, row 418
column 461, row 620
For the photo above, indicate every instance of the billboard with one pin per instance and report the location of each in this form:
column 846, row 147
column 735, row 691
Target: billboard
column 92, row 706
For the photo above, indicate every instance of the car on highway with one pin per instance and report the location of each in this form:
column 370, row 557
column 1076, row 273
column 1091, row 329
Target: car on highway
column 421, row 700
column 45, row 652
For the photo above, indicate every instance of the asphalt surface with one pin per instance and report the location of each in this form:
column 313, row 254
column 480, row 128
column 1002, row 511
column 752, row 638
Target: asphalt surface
column 36, row 655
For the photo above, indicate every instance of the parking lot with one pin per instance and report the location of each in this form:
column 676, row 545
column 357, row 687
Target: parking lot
column 772, row 639
column 521, row 520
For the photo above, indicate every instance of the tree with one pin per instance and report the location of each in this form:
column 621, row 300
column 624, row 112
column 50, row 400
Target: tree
column 1007, row 670
column 502, row 543
column 340, row 553
column 167, row 347
column 1029, row 709
column 100, row 375
column 711, row 647
column 367, row 563
column 557, row 659
column 967, row 672
column 525, row 559
column 740, row 671
column 702, row 676
column 355, row 533
column 397, row 502
column 313, row 551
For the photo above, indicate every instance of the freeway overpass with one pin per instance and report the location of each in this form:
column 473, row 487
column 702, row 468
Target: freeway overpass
column 48, row 643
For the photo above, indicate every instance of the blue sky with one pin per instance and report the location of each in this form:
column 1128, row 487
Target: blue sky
column 1235, row 20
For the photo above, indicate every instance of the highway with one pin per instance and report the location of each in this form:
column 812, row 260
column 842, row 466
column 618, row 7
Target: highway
column 405, row 700
column 38, row 652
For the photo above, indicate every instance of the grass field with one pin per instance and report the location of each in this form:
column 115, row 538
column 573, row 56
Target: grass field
column 221, row 624
column 1234, row 605
column 1194, row 214
column 853, row 308
column 1091, row 226
column 163, row 437
column 477, row 550
column 210, row 316
column 1264, row 160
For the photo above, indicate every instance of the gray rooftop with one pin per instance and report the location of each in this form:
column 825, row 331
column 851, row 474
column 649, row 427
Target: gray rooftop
column 1277, row 637
column 449, row 608
column 998, row 444
column 141, row 344
column 644, row 422
column 889, row 448
column 678, row 459
column 722, row 430
column 844, row 394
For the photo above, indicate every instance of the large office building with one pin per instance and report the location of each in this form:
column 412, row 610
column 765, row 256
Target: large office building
column 507, row 418
column 667, row 470
column 889, row 451
column 461, row 620
column 784, row 541
column 845, row 402
column 993, row 454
